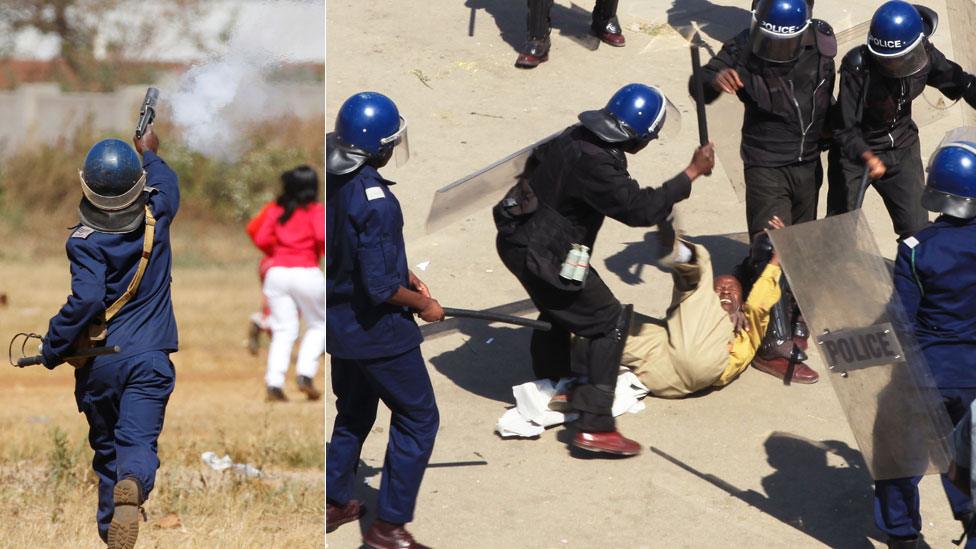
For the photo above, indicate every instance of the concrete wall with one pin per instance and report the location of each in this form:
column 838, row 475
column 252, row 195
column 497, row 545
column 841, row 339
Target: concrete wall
column 42, row 113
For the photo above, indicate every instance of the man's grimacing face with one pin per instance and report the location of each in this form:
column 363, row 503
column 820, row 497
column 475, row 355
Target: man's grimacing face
column 729, row 292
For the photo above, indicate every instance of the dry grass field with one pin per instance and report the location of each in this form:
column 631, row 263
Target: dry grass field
column 47, row 490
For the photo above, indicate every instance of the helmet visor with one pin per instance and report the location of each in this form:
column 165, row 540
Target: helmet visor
column 906, row 63
column 670, row 125
column 776, row 47
column 400, row 143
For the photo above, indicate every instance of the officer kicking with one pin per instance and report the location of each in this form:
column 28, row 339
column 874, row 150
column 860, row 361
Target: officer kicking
column 371, row 334
column 573, row 182
column 782, row 70
column 935, row 277
column 875, row 130
column 120, row 259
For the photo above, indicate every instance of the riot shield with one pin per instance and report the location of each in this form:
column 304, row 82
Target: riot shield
column 479, row 190
column 876, row 369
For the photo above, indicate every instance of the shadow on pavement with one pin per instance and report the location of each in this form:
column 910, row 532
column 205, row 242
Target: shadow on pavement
column 719, row 22
column 510, row 15
column 726, row 250
column 829, row 502
column 490, row 362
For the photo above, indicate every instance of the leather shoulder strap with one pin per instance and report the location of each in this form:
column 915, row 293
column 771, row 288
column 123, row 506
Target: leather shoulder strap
column 147, row 245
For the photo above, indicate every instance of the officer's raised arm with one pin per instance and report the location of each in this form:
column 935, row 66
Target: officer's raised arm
column 159, row 175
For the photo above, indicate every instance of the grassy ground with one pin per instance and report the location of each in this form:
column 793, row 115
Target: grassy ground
column 47, row 491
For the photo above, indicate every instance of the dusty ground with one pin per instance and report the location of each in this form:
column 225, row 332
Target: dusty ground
column 778, row 465
column 47, row 492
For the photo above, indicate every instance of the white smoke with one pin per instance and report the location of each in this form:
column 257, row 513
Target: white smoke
column 215, row 101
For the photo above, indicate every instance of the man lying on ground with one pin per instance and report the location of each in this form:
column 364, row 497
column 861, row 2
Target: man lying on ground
column 709, row 335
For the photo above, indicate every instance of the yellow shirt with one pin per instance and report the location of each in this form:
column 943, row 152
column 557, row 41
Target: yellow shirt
column 743, row 346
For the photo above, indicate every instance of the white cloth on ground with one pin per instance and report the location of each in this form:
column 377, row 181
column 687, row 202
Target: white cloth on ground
column 531, row 414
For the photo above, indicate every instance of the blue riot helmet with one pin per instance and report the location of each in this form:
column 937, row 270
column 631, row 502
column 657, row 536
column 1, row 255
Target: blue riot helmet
column 112, row 178
column 778, row 28
column 636, row 112
column 896, row 39
column 368, row 126
column 951, row 185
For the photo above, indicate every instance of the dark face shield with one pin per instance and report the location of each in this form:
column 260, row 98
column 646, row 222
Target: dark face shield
column 776, row 47
column 905, row 63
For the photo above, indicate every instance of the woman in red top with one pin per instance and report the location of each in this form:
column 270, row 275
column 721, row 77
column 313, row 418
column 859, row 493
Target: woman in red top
column 292, row 235
column 260, row 319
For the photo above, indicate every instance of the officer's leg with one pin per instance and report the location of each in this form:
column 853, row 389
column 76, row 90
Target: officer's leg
column 836, row 183
column 595, row 314
column 284, row 325
column 145, row 393
column 896, row 507
column 404, row 386
column 767, row 195
column 550, row 351
column 536, row 49
column 356, row 403
column 901, row 189
column 99, row 402
column 957, row 403
column 603, row 12
column 309, row 298
column 849, row 175
column 805, row 180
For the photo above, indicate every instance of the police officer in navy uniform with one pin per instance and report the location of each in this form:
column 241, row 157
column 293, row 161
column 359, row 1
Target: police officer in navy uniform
column 782, row 70
column 122, row 395
column 874, row 126
column 574, row 182
column 935, row 277
column 372, row 338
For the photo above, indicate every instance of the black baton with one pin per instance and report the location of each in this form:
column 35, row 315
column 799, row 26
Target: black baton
column 497, row 317
column 699, row 90
column 97, row 351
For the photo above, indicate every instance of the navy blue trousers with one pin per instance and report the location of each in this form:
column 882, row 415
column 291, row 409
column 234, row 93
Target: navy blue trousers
column 124, row 402
column 402, row 383
column 896, row 501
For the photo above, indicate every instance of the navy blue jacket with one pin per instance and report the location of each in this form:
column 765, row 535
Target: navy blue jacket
column 103, row 264
column 366, row 262
column 935, row 276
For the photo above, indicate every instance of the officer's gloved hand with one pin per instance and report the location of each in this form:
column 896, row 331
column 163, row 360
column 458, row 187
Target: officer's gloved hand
column 148, row 141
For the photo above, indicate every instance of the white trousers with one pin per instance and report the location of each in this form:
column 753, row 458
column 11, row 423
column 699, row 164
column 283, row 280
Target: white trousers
column 291, row 290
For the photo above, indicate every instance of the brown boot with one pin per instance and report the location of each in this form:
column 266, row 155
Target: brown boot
column 386, row 535
column 306, row 386
column 337, row 515
column 610, row 442
column 124, row 529
column 275, row 394
column 536, row 52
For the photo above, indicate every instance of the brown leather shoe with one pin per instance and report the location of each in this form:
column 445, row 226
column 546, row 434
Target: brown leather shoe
column 778, row 366
column 306, row 386
column 611, row 442
column 610, row 33
column 536, row 52
column 386, row 535
column 275, row 394
column 336, row 515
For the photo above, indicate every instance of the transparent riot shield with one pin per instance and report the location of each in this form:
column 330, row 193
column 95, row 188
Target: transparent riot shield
column 479, row 190
column 846, row 294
